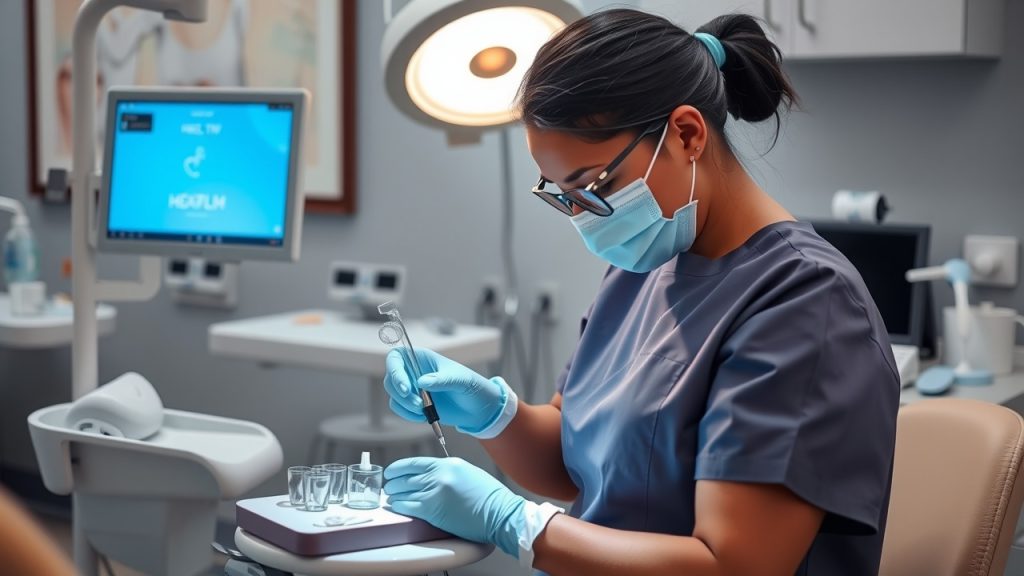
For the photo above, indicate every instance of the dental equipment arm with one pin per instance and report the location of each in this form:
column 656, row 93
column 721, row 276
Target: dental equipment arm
column 958, row 273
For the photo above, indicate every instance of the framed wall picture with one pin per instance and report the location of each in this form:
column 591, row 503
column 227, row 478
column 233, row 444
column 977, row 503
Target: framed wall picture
column 293, row 43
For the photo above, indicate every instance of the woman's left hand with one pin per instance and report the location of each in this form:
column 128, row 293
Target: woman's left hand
column 457, row 497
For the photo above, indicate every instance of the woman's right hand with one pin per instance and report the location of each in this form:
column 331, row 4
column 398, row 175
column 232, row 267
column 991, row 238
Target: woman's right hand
column 462, row 397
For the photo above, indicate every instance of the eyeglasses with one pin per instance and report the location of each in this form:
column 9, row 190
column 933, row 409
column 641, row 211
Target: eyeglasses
column 589, row 198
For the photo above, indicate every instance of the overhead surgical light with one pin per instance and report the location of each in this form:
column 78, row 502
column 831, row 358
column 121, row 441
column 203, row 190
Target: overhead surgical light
column 458, row 63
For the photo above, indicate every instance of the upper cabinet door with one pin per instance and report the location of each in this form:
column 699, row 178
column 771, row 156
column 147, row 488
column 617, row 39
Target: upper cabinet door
column 691, row 14
column 872, row 28
column 837, row 29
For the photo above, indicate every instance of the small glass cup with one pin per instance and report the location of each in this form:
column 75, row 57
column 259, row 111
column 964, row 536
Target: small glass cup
column 338, row 477
column 318, row 488
column 297, row 485
column 364, row 486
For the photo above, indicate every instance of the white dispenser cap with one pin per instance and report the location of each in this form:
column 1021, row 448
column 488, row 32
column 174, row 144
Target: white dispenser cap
column 364, row 461
column 14, row 207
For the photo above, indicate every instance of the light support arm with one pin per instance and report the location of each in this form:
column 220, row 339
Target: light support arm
column 84, row 346
column 85, row 372
column 147, row 285
column 511, row 336
column 84, row 364
column 139, row 290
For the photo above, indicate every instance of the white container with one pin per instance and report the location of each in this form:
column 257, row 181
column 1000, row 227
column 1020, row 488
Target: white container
column 28, row 299
column 990, row 342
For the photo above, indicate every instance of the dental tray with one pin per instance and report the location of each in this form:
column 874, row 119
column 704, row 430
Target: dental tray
column 337, row 530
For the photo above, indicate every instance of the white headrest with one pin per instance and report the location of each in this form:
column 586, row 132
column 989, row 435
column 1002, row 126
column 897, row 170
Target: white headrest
column 127, row 407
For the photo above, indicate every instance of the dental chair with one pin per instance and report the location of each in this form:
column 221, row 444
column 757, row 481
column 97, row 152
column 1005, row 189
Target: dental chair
column 147, row 480
column 956, row 491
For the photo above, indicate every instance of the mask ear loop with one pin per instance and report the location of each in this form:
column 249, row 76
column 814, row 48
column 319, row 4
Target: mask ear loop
column 693, row 174
column 656, row 150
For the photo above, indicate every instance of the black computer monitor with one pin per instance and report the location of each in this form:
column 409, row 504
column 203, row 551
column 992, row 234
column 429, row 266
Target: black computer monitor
column 883, row 253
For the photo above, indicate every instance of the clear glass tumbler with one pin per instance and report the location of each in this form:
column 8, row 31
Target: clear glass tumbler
column 338, row 477
column 364, row 486
column 297, row 485
column 318, row 488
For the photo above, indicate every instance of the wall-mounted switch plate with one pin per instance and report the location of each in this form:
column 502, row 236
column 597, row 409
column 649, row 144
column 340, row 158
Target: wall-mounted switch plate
column 993, row 259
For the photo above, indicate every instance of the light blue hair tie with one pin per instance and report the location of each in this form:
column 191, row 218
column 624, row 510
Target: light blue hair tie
column 714, row 46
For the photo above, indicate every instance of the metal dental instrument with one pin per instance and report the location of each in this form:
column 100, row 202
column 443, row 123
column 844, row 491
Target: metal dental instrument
column 393, row 333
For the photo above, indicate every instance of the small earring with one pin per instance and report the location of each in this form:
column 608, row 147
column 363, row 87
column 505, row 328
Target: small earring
column 692, row 159
column 698, row 148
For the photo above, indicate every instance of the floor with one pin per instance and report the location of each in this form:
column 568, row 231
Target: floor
column 60, row 530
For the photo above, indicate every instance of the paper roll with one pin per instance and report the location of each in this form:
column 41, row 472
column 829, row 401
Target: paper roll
column 859, row 206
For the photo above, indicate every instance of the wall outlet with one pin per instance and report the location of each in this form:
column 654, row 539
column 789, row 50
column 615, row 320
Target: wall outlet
column 491, row 296
column 547, row 302
column 201, row 282
column 993, row 260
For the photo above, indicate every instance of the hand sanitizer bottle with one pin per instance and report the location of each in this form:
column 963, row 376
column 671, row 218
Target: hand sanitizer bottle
column 21, row 257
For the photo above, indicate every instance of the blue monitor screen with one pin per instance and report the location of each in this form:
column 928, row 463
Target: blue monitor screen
column 203, row 172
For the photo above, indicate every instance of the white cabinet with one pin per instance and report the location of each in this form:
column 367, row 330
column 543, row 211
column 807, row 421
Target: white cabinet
column 881, row 28
column 835, row 29
column 692, row 14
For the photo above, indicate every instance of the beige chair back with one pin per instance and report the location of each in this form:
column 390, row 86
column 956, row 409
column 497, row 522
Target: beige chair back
column 956, row 491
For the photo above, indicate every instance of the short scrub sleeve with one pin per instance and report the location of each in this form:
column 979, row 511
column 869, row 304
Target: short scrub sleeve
column 805, row 395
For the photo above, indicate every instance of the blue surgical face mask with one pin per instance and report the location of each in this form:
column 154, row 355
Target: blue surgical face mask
column 636, row 237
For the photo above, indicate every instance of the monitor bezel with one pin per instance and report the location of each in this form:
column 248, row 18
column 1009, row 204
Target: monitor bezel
column 919, row 291
column 289, row 248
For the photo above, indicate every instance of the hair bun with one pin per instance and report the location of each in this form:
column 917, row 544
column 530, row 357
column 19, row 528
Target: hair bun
column 755, row 83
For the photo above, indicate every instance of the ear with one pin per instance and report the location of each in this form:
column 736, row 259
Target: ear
column 688, row 126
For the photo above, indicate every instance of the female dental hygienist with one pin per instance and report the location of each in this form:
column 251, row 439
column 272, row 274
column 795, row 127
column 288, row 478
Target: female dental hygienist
column 730, row 408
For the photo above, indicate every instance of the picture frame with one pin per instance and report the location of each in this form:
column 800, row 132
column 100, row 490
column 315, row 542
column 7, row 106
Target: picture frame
column 300, row 43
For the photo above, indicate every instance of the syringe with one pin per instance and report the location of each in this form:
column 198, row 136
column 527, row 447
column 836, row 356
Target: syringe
column 392, row 333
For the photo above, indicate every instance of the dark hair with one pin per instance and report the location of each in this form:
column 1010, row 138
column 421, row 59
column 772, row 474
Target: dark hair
column 623, row 69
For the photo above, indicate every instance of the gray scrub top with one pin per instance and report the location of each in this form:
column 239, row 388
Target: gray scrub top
column 770, row 364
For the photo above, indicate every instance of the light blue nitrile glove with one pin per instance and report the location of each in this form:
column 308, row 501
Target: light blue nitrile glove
column 475, row 405
column 462, row 499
